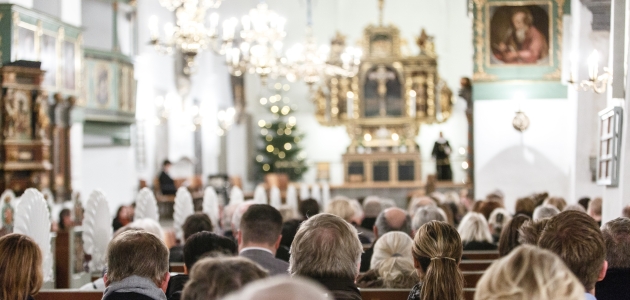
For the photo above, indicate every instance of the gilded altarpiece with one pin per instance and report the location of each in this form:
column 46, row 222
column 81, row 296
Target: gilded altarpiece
column 383, row 107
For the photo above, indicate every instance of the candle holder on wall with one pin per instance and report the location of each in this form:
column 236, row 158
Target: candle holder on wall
column 598, row 83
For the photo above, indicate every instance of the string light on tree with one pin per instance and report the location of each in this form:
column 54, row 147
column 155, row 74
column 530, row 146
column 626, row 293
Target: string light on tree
column 279, row 150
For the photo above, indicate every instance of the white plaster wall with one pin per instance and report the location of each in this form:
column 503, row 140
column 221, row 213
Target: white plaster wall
column 97, row 24
column 112, row 170
column 522, row 163
column 25, row 3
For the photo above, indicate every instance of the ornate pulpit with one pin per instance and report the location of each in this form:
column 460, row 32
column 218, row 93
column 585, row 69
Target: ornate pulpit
column 383, row 107
column 24, row 141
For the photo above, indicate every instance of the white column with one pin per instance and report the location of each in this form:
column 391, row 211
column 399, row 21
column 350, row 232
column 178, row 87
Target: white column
column 615, row 198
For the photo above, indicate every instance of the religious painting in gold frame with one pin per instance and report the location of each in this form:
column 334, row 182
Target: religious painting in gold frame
column 518, row 39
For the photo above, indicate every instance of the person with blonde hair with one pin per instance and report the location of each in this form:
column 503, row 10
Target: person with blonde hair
column 341, row 208
column 595, row 210
column 281, row 288
column 558, row 202
column 21, row 274
column 392, row 263
column 528, row 273
column 213, row 278
column 475, row 232
column 327, row 249
column 437, row 252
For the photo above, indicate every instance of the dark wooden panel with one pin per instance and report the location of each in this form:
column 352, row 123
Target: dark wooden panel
column 475, row 265
column 483, row 255
column 384, row 294
column 68, row 294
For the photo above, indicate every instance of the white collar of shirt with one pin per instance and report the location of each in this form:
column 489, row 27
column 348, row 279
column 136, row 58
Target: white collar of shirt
column 256, row 248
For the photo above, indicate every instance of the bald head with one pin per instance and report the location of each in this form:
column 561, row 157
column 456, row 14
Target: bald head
column 392, row 219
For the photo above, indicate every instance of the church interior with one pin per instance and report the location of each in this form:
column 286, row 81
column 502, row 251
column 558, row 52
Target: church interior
column 115, row 111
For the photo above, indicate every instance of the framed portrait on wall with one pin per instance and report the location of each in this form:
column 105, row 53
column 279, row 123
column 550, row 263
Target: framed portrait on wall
column 49, row 59
column 25, row 43
column 518, row 39
column 69, row 65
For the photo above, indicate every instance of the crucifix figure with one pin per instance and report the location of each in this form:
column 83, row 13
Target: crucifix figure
column 382, row 76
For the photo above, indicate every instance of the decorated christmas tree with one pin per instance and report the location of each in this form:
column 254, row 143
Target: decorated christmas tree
column 279, row 148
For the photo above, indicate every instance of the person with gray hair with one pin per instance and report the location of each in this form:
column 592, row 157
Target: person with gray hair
column 391, row 219
column 617, row 239
column 281, row 288
column 425, row 215
column 327, row 249
column 372, row 206
column 545, row 211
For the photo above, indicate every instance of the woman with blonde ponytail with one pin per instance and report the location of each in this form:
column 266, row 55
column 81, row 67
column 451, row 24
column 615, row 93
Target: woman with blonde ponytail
column 436, row 252
column 392, row 263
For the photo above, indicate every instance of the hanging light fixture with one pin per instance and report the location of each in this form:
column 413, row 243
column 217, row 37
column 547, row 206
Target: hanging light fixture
column 309, row 62
column 189, row 34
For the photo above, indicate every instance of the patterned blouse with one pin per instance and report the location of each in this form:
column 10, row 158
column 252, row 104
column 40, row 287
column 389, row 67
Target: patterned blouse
column 415, row 292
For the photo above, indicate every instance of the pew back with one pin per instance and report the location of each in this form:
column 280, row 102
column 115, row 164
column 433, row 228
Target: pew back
column 385, row 294
column 65, row 294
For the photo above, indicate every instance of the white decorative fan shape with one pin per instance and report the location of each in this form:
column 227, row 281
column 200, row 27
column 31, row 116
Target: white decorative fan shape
column 292, row 199
column 236, row 196
column 33, row 219
column 260, row 195
column 211, row 206
column 316, row 193
column 50, row 201
column 304, row 192
column 146, row 206
column 325, row 194
column 275, row 197
column 183, row 208
column 97, row 229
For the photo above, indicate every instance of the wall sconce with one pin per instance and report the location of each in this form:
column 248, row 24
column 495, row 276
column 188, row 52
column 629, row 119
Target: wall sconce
column 226, row 118
column 596, row 82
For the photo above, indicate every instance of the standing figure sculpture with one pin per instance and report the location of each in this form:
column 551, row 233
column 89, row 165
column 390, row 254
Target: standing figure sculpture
column 441, row 152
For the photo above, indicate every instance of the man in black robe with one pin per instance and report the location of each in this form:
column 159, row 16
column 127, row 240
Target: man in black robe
column 167, row 184
column 441, row 152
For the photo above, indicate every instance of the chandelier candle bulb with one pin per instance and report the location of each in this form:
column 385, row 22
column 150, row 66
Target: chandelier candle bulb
column 593, row 65
column 412, row 103
column 350, row 104
column 153, row 27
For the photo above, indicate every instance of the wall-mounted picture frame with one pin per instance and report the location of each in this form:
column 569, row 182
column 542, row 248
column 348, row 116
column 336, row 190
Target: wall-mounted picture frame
column 518, row 39
column 609, row 152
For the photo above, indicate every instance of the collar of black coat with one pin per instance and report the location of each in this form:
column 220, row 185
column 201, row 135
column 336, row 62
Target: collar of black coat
column 337, row 283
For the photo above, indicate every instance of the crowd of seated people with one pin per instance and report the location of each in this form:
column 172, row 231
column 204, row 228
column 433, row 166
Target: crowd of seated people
column 548, row 249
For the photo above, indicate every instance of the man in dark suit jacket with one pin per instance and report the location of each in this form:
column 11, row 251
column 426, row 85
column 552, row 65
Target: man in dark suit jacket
column 259, row 237
column 617, row 240
column 167, row 184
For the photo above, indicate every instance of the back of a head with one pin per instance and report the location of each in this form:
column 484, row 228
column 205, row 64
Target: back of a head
column 545, row 211
column 499, row 218
column 474, row 227
column 372, row 207
column 261, row 223
column 510, row 235
column 204, row 244
column 239, row 211
column 393, row 219
column 558, row 202
column 417, row 202
column 529, row 273
column 595, row 208
column 341, row 208
column 148, row 225
column 626, row 212
column 616, row 235
column 577, row 239
column 196, row 222
column 438, row 250
column 20, row 267
column 393, row 260
column 213, row 278
column 487, row 207
column 309, row 208
column 577, row 207
column 139, row 253
column 325, row 246
column 281, row 288
column 530, row 231
column 427, row 214
column 525, row 206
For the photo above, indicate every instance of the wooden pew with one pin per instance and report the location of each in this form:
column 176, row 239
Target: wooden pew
column 475, row 265
column 384, row 294
column 483, row 255
column 176, row 267
column 469, row 293
column 471, row 278
column 64, row 294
